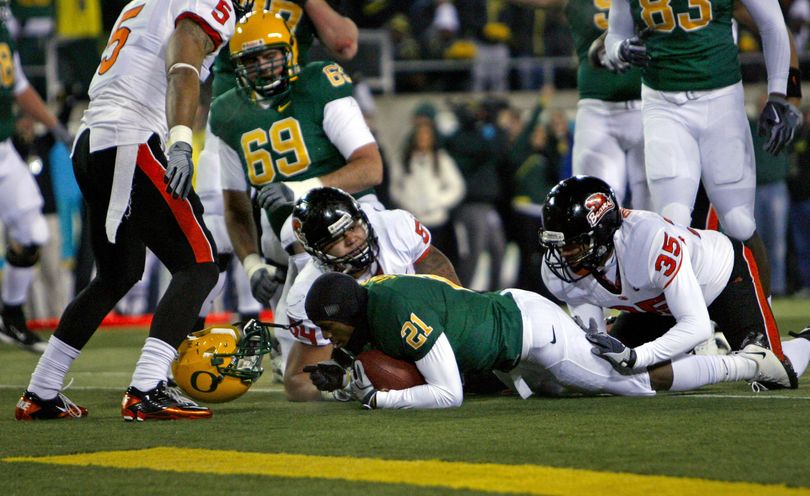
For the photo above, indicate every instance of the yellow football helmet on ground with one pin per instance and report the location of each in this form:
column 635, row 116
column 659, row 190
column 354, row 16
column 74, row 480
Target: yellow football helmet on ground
column 220, row 363
column 255, row 45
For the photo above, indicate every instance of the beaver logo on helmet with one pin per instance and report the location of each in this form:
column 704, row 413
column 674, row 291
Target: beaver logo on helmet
column 598, row 204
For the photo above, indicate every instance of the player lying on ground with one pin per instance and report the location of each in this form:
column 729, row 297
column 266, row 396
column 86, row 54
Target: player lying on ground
column 343, row 235
column 599, row 255
column 532, row 344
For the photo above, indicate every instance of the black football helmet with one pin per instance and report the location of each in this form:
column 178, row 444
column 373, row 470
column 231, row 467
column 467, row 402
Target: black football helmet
column 321, row 217
column 579, row 211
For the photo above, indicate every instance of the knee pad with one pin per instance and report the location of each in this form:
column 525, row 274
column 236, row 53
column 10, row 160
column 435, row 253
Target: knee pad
column 677, row 213
column 738, row 223
column 22, row 256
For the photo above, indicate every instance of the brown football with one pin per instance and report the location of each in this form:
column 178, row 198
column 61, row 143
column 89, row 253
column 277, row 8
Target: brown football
column 389, row 373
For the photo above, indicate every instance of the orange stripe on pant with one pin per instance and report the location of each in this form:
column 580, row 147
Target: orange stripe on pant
column 182, row 210
column 772, row 331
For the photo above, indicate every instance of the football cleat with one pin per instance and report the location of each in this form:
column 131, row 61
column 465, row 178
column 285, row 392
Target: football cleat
column 32, row 407
column 772, row 373
column 14, row 330
column 160, row 403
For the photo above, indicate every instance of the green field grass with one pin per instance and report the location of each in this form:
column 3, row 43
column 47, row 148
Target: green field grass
column 719, row 433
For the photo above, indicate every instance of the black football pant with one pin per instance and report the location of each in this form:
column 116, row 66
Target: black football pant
column 172, row 228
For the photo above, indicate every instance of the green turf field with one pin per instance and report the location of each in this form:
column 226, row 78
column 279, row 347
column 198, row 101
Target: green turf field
column 718, row 440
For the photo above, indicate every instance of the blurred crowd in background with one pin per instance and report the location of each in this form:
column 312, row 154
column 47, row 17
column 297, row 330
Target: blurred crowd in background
column 474, row 168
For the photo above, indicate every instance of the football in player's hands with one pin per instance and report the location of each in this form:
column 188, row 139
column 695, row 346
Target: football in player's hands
column 389, row 373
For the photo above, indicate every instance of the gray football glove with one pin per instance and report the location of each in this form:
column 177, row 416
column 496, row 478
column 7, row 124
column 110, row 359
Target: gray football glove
column 592, row 326
column 778, row 122
column 328, row 375
column 614, row 351
column 275, row 195
column 180, row 169
column 597, row 56
column 361, row 387
column 263, row 283
column 633, row 51
column 61, row 133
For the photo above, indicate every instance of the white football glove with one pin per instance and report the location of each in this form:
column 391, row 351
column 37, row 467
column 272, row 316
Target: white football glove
column 361, row 387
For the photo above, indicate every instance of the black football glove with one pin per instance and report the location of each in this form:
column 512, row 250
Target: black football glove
column 328, row 375
column 275, row 195
column 361, row 387
column 633, row 51
column 180, row 169
column 778, row 122
column 614, row 351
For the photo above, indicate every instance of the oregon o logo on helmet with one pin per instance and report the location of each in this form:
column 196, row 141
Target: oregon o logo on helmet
column 214, row 381
column 598, row 204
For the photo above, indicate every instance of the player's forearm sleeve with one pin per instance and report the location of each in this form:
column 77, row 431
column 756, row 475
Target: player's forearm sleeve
column 775, row 41
column 620, row 27
column 443, row 388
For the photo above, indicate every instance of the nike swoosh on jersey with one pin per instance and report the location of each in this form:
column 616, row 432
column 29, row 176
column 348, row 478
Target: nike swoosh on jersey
column 554, row 336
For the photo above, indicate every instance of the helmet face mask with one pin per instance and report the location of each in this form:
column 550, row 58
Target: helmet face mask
column 580, row 217
column 220, row 363
column 264, row 54
column 322, row 218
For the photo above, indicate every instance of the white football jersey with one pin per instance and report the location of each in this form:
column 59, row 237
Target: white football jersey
column 128, row 90
column 403, row 241
column 657, row 267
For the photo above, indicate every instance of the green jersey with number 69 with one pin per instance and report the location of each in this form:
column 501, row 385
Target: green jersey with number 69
column 588, row 20
column 7, row 80
column 407, row 313
column 692, row 47
column 285, row 141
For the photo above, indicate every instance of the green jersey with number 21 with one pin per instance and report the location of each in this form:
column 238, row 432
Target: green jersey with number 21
column 407, row 313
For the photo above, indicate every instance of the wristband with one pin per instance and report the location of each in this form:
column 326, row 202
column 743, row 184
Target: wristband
column 183, row 65
column 794, row 83
column 300, row 188
column 252, row 263
column 180, row 133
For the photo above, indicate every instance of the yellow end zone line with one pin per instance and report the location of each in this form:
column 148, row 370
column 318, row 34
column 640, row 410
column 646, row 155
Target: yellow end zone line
column 490, row 477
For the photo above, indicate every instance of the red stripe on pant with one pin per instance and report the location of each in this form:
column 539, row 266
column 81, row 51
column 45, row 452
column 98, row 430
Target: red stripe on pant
column 181, row 209
column 772, row 331
column 712, row 220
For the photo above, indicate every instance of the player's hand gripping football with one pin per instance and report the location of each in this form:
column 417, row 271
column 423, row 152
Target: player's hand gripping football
column 328, row 375
column 605, row 346
column 275, row 195
column 180, row 169
column 633, row 50
column 361, row 387
column 778, row 122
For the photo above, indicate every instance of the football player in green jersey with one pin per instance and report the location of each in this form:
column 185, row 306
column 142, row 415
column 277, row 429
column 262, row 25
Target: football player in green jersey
column 695, row 125
column 531, row 343
column 306, row 20
column 284, row 131
column 608, row 136
column 20, row 199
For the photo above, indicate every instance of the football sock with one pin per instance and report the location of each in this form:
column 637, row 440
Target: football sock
column 49, row 375
column 694, row 371
column 798, row 350
column 156, row 358
column 16, row 281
